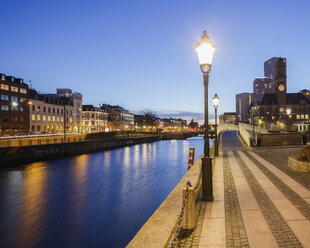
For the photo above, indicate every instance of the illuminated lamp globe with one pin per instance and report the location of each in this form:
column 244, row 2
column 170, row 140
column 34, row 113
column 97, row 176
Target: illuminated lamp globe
column 205, row 49
column 216, row 100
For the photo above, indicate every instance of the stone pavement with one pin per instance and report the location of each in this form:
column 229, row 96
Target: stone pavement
column 259, row 201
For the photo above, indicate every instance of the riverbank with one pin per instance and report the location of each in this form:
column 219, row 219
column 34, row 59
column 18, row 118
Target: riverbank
column 17, row 155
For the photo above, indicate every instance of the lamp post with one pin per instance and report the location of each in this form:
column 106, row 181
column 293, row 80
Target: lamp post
column 288, row 112
column 205, row 49
column 216, row 101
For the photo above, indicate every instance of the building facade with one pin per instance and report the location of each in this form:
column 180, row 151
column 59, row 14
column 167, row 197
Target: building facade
column 243, row 101
column 50, row 113
column 77, row 100
column 14, row 109
column 120, row 118
column 94, row 119
column 280, row 110
column 228, row 117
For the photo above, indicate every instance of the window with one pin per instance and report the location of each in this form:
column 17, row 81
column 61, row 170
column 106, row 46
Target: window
column 270, row 85
column 38, row 128
column 302, row 116
column 265, row 85
column 22, row 99
column 4, row 87
column 14, row 89
column 62, row 111
column 33, row 108
column 5, row 107
column 297, row 117
column 14, row 99
column 53, row 110
column 281, row 109
column 306, row 116
column 14, row 108
column 24, row 91
column 53, row 118
column 44, row 118
column 4, row 97
column 62, row 119
column 57, row 111
column 44, row 109
column 38, row 108
column 38, row 117
column 49, row 110
column 21, row 109
column 70, row 119
column 49, row 118
column 57, row 118
column 33, row 117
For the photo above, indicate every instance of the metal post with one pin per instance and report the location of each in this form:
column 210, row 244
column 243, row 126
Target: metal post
column 206, row 165
column 216, row 141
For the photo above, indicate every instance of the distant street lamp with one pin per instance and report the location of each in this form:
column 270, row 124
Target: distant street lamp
column 216, row 101
column 288, row 112
column 205, row 49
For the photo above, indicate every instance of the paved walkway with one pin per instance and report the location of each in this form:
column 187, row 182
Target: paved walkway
column 257, row 202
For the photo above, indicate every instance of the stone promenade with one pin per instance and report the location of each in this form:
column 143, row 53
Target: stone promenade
column 259, row 201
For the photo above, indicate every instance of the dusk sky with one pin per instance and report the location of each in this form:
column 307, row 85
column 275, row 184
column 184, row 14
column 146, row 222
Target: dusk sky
column 141, row 53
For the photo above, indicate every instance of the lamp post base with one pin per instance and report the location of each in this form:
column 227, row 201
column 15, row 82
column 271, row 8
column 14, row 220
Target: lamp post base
column 207, row 184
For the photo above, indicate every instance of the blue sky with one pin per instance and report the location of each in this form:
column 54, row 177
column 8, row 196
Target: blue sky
column 140, row 53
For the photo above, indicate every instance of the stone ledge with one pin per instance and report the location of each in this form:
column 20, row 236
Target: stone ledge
column 298, row 165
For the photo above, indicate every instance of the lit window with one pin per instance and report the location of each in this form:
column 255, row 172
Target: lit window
column 297, row 117
column 281, row 109
column 5, row 107
column 4, row 97
column 4, row 87
column 58, row 118
column 21, row 109
column 14, row 99
column 44, row 118
column 38, row 117
column 24, row 91
column 33, row 117
column 302, row 116
column 49, row 118
column 70, row 119
column 22, row 99
column 14, row 108
column 53, row 118
column 14, row 89
column 306, row 116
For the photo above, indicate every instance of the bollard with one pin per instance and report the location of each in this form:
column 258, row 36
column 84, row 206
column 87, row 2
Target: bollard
column 191, row 157
column 189, row 216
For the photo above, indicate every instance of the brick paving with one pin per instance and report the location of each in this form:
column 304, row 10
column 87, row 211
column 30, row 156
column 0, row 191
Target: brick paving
column 235, row 231
column 280, row 229
column 298, row 202
column 279, row 158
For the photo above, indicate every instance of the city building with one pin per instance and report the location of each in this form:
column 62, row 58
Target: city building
column 193, row 126
column 228, row 117
column 95, row 119
column 76, row 98
column 243, row 101
column 14, row 109
column 146, row 123
column 50, row 113
column 306, row 93
column 120, row 118
column 174, row 125
column 263, row 85
column 280, row 110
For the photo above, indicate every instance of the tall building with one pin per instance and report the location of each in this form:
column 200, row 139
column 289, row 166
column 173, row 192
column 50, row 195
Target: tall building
column 76, row 99
column 243, row 101
column 263, row 85
column 306, row 93
column 14, row 110
column 50, row 113
column 280, row 110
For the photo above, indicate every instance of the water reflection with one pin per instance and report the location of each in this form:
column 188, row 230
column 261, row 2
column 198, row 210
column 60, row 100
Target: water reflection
column 96, row 200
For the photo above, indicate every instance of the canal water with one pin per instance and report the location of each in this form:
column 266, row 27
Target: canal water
column 92, row 200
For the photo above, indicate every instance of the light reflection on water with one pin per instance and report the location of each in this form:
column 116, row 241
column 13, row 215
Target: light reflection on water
column 94, row 200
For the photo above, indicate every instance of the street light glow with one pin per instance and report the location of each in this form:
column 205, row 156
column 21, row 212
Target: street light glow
column 216, row 100
column 14, row 104
column 205, row 49
column 288, row 111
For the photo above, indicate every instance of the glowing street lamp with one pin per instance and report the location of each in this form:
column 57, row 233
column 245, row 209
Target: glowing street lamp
column 216, row 101
column 288, row 112
column 205, row 49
